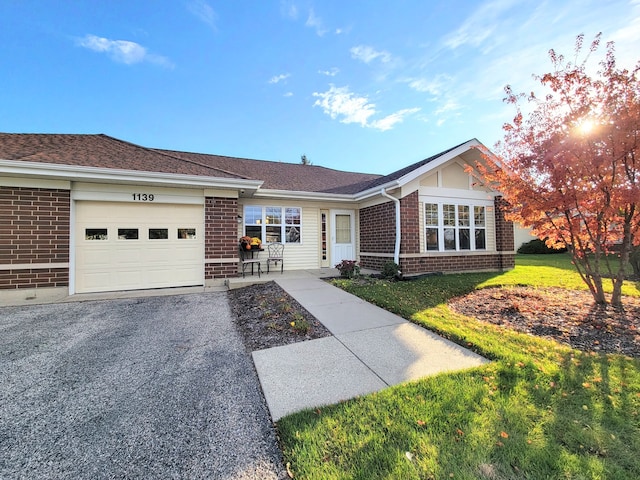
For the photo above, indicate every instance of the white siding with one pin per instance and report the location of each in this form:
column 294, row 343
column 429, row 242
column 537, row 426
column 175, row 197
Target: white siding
column 305, row 254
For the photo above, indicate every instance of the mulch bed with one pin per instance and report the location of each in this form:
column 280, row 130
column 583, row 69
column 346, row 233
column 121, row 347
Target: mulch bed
column 267, row 316
column 265, row 312
column 567, row 316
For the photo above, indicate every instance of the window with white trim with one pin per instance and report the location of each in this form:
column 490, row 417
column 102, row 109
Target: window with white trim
column 273, row 224
column 450, row 227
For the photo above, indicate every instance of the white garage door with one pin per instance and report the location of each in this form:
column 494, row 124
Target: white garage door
column 131, row 246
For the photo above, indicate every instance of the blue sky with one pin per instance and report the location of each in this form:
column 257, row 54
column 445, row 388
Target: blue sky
column 356, row 85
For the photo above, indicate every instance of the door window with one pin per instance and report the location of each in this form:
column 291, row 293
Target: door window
column 343, row 228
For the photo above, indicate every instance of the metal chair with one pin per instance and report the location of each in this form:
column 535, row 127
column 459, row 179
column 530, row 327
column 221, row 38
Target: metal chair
column 246, row 258
column 276, row 254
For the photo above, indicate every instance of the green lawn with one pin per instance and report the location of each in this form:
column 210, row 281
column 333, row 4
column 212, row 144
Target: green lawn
column 539, row 411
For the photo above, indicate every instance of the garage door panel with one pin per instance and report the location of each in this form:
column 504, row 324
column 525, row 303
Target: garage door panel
column 107, row 262
column 127, row 256
column 94, row 281
column 94, row 257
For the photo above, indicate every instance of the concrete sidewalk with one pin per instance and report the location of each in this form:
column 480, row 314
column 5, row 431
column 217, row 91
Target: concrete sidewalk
column 370, row 349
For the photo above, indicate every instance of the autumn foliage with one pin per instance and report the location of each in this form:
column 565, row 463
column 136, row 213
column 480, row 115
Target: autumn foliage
column 569, row 166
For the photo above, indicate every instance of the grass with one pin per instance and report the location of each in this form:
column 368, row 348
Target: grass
column 539, row 411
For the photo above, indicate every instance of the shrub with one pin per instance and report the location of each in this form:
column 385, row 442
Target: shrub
column 348, row 268
column 538, row 246
column 390, row 270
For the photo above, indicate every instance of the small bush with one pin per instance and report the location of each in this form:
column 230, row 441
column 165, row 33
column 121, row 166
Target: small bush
column 348, row 268
column 538, row 246
column 390, row 270
column 300, row 324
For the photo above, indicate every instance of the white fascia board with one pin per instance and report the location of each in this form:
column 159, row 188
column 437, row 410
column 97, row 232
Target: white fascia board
column 375, row 191
column 412, row 175
column 343, row 197
column 438, row 162
column 109, row 175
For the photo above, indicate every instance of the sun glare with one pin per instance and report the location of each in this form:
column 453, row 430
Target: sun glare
column 586, row 126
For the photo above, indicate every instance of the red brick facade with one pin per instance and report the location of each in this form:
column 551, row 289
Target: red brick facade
column 378, row 228
column 377, row 236
column 410, row 224
column 221, row 237
column 34, row 229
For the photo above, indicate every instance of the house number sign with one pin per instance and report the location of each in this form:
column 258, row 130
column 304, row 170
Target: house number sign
column 143, row 197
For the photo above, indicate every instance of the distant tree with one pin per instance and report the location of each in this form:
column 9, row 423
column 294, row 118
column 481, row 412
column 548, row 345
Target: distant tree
column 571, row 169
column 304, row 160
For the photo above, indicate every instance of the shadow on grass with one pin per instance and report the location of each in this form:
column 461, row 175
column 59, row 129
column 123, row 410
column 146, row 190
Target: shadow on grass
column 541, row 410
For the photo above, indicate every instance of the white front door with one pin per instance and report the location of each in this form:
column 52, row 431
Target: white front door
column 343, row 236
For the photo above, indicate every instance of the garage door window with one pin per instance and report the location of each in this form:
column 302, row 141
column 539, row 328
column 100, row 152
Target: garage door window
column 95, row 234
column 128, row 234
column 187, row 233
column 158, row 234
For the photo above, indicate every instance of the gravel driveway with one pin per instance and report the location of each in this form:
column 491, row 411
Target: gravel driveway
column 156, row 387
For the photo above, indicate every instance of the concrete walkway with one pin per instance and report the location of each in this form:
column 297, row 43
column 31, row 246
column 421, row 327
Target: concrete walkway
column 370, row 349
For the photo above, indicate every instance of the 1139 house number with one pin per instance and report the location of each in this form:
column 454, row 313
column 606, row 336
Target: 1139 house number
column 143, row 197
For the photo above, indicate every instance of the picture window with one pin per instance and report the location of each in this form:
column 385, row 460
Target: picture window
column 273, row 224
column 450, row 227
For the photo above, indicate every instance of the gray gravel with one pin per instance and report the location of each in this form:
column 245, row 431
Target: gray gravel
column 156, row 387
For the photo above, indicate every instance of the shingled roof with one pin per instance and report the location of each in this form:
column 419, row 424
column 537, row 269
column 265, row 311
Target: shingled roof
column 398, row 174
column 102, row 151
column 285, row 176
column 99, row 151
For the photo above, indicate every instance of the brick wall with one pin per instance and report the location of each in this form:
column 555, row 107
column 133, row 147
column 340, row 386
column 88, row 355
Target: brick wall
column 456, row 263
column 221, row 237
column 34, row 229
column 505, row 241
column 410, row 223
column 378, row 228
column 382, row 217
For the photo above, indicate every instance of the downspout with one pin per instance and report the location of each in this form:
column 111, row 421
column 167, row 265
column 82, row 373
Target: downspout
column 396, row 252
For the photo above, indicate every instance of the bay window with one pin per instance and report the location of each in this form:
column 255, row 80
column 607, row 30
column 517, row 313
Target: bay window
column 273, row 224
column 451, row 227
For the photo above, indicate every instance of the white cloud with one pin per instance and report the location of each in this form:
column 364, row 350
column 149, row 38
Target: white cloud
column 279, row 78
column 288, row 94
column 289, row 10
column 332, row 72
column 481, row 25
column 368, row 54
column 122, row 51
column 434, row 86
column 316, row 22
column 388, row 122
column 339, row 102
column 204, row 11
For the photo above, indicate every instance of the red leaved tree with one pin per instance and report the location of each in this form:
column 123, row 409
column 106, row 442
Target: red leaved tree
column 570, row 170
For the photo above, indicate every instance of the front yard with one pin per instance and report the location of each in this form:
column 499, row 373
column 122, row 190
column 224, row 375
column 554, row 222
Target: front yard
column 540, row 410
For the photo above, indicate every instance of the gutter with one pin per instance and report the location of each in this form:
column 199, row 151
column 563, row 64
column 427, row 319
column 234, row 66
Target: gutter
column 12, row 168
column 396, row 252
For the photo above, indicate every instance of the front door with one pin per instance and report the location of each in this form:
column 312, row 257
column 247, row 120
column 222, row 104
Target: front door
column 343, row 241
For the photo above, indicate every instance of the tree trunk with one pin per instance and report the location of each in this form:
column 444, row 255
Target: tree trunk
column 625, row 249
column 598, row 292
column 591, row 277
